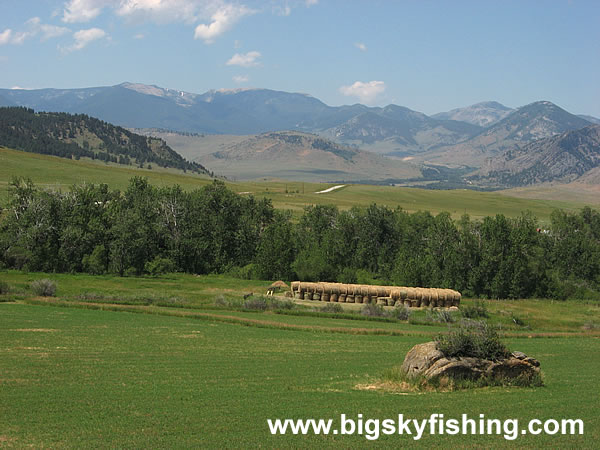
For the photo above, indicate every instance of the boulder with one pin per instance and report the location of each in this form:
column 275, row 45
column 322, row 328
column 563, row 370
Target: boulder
column 428, row 361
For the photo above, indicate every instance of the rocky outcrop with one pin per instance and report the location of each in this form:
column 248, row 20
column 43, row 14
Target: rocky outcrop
column 428, row 361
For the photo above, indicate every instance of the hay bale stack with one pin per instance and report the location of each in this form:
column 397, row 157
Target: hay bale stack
column 383, row 295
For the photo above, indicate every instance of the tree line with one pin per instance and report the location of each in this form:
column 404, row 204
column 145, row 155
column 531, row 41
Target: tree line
column 147, row 229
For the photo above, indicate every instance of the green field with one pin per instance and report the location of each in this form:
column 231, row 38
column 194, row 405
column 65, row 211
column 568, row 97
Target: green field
column 60, row 173
column 141, row 376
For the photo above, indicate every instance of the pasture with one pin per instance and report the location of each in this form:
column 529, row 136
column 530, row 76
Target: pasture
column 60, row 173
column 97, row 366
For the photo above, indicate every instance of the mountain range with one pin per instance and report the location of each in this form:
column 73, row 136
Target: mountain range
column 563, row 158
column 467, row 137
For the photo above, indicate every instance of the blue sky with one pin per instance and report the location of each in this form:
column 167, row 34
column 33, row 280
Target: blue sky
column 430, row 56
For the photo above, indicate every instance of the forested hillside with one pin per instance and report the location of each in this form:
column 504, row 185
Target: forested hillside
column 76, row 136
column 213, row 230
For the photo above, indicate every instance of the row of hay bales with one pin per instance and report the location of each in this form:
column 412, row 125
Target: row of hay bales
column 381, row 295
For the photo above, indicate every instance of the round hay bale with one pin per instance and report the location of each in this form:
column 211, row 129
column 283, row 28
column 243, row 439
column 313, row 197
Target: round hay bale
column 442, row 295
column 350, row 299
column 325, row 297
column 297, row 295
column 410, row 293
column 373, row 291
column 333, row 297
column 398, row 303
column 390, row 301
column 367, row 299
column 407, row 302
column 395, row 293
column 342, row 298
column 316, row 296
column 382, row 291
column 382, row 301
column 403, row 293
column 358, row 298
column 426, row 301
column 426, row 295
column 295, row 285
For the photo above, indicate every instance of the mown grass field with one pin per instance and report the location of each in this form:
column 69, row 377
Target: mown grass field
column 60, row 173
column 198, row 376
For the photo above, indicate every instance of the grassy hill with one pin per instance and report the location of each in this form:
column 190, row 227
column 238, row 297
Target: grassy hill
column 77, row 136
column 60, row 173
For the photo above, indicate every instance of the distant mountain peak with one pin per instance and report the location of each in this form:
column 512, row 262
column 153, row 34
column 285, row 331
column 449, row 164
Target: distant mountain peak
column 483, row 114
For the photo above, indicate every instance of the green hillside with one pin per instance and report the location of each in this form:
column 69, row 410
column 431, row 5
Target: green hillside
column 60, row 173
column 76, row 136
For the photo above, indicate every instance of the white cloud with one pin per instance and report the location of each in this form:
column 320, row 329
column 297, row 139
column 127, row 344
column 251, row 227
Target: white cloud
column 310, row 3
column 366, row 92
column 240, row 78
column 47, row 31
column 162, row 11
column 139, row 36
column 244, row 60
column 237, row 44
column 221, row 21
column 361, row 46
column 5, row 36
column 84, row 10
column 85, row 37
column 35, row 28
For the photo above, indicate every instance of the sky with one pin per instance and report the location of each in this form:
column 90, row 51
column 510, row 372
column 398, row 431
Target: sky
column 430, row 56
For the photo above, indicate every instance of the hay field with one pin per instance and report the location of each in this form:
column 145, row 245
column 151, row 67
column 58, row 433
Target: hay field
column 199, row 376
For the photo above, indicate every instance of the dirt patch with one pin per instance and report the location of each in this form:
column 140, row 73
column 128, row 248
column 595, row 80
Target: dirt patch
column 401, row 388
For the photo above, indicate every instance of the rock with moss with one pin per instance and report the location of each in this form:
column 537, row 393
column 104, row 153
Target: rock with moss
column 429, row 362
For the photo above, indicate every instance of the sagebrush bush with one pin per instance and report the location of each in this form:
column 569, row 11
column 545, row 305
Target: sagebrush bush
column 335, row 308
column 401, row 312
column 473, row 339
column 44, row 287
column 372, row 310
column 441, row 316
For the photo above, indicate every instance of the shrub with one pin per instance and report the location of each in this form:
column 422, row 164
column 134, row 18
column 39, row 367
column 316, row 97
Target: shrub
column 159, row 266
column 131, row 272
column 475, row 311
column 247, row 272
column 441, row 316
column 372, row 310
column 44, row 287
column 221, row 301
column 517, row 320
column 401, row 312
column 335, row 308
column 4, row 288
column 473, row 339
